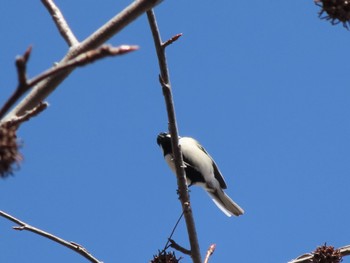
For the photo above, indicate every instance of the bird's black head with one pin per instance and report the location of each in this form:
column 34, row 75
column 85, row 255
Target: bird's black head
column 164, row 141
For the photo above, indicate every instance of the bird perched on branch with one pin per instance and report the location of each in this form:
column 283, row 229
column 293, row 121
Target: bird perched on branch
column 200, row 170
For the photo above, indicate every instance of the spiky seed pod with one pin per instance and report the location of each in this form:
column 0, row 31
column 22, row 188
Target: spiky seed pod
column 338, row 11
column 327, row 254
column 9, row 154
column 165, row 257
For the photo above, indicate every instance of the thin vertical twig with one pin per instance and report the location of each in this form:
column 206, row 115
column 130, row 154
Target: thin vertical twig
column 21, row 65
column 180, row 172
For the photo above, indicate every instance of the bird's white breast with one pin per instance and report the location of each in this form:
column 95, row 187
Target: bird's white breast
column 200, row 160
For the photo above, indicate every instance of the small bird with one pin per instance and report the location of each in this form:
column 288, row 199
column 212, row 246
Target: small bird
column 200, row 170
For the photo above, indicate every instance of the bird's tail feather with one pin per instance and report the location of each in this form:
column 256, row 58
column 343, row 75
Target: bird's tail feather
column 225, row 203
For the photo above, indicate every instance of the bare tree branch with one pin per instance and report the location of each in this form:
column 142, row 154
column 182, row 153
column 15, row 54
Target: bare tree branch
column 210, row 252
column 176, row 246
column 308, row 258
column 21, row 65
column 81, row 60
column 171, row 40
column 60, row 22
column 179, row 165
column 29, row 114
column 84, row 59
column 73, row 246
column 43, row 89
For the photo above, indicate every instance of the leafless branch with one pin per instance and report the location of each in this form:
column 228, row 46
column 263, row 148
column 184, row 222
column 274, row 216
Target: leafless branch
column 180, row 172
column 71, row 245
column 210, row 252
column 308, row 257
column 176, row 246
column 345, row 251
column 60, row 22
column 81, row 60
column 171, row 40
column 44, row 88
column 21, row 65
column 29, row 114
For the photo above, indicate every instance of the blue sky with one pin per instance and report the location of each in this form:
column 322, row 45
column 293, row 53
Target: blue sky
column 263, row 85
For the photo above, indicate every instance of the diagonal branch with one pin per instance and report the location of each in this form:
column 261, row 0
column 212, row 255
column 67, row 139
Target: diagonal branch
column 43, row 89
column 71, row 245
column 171, row 40
column 176, row 246
column 79, row 61
column 29, row 114
column 179, row 166
column 84, row 59
column 60, row 22
column 307, row 258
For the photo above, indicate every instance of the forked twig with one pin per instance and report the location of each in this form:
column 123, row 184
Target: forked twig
column 178, row 160
column 43, row 89
column 21, row 65
column 71, row 245
column 79, row 61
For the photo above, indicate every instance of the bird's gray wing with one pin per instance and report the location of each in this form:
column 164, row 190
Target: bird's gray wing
column 217, row 172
